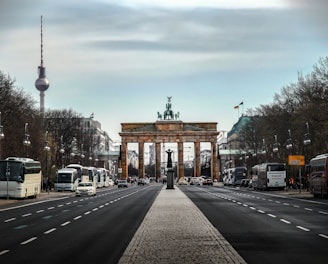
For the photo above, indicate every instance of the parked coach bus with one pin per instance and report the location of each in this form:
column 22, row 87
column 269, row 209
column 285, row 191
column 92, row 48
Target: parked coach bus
column 66, row 180
column 20, row 177
column 271, row 176
column 318, row 183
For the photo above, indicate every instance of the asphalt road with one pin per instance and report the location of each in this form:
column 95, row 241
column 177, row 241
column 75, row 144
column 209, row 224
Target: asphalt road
column 265, row 227
column 75, row 229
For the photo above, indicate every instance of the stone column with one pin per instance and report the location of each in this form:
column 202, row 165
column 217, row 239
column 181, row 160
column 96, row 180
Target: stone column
column 214, row 161
column 180, row 161
column 124, row 162
column 141, row 165
column 197, row 159
column 158, row 159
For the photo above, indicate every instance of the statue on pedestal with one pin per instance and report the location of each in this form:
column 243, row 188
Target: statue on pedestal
column 169, row 158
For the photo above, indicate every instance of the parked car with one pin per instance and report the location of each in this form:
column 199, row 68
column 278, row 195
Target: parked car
column 194, row 181
column 244, row 183
column 208, row 182
column 141, row 181
column 86, row 188
column 122, row 183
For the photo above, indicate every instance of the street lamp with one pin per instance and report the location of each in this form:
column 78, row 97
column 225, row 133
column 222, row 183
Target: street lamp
column 307, row 139
column 82, row 155
column 26, row 141
column 90, row 157
column 2, row 135
column 62, row 150
column 46, row 149
column 289, row 140
column 275, row 145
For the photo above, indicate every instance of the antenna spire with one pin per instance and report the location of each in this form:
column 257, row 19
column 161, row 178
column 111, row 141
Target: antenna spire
column 41, row 42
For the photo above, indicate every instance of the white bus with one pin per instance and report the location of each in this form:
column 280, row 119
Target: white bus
column 66, row 180
column 89, row 174
column 271, row 176
column 101, row 177
column 20, row 177
column 78, row 167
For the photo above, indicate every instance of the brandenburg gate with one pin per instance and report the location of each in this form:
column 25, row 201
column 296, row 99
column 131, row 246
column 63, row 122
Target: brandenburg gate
column 168, row 129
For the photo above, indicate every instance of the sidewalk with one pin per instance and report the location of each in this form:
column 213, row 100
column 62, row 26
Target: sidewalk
column 176, row 231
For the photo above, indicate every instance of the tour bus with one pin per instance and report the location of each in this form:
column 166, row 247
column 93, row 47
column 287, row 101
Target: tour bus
column 20, row 177
column 271, row 176
column 66, row 180
column 89, row 174
column 255, row 176
column 78, row 167
column 101, row 177
column 233, row 176
column 238, row 174
column 318, row 182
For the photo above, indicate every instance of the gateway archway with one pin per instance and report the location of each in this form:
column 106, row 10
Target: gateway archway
column 166, row 131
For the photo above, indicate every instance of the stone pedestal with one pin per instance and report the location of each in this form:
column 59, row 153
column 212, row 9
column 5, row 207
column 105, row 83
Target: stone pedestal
column 170, row 179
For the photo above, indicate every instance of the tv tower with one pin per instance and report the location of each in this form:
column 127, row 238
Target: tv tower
column 42, row 82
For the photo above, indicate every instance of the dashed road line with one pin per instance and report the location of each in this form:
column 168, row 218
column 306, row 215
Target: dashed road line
column 50, row 231
column 28, row 241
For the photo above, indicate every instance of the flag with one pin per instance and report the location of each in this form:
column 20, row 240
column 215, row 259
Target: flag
column 242, row 102
column 236, row 107
column 92, row 115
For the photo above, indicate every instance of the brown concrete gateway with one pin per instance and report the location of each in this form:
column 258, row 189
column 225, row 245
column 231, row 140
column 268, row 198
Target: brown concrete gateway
column 169, row 131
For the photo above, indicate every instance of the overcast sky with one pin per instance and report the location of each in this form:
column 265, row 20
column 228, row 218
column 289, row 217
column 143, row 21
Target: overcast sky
column 121, row 59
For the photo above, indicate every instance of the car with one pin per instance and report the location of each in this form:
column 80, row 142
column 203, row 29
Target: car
column 244, row 182
column 208, row 182
column 122, row 183
column 194, row 181
column 141, row 181
column 86, row 188
column 111, row 182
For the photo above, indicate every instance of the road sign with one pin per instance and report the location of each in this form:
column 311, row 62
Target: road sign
column 296, row 160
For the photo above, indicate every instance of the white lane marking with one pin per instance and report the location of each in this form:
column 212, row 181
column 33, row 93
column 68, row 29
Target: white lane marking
column 303, row 228
column 308, row 209
column 285, row 221
column 50, row 230
column 253, row 208
column 68, row 203
column 323, row 235
column 25, row 215
column 66, row 223
column 40, row 211
column 296, row 206
column 50, row 208
column 60, row 205
column 271, row 215
column 86, row 213
column 28, row 241
column 261, row 211
column 323, row 212
column 78, row 217
column 9, row 220
column 4, row 252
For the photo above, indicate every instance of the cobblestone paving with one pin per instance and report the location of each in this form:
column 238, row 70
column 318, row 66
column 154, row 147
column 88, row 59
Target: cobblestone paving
column 176, row 231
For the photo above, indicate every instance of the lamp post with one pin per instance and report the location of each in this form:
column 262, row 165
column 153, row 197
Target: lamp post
column 2, row 135
column 307, row 139
column 289, row 140
column 90, row 157
column 46, row 149
column 82, row 155
column 26, row 141
column 62, row 151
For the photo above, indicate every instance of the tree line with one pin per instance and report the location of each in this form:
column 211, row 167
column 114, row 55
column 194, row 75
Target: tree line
column 63, row 131
column 295, row 123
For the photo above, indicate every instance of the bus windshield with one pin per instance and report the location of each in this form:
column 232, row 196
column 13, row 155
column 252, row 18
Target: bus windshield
column 276, row 167
column 64, row 177
column 13, row 170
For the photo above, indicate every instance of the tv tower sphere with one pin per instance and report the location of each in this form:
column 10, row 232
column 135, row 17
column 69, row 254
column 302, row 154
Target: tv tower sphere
column 42, row 83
